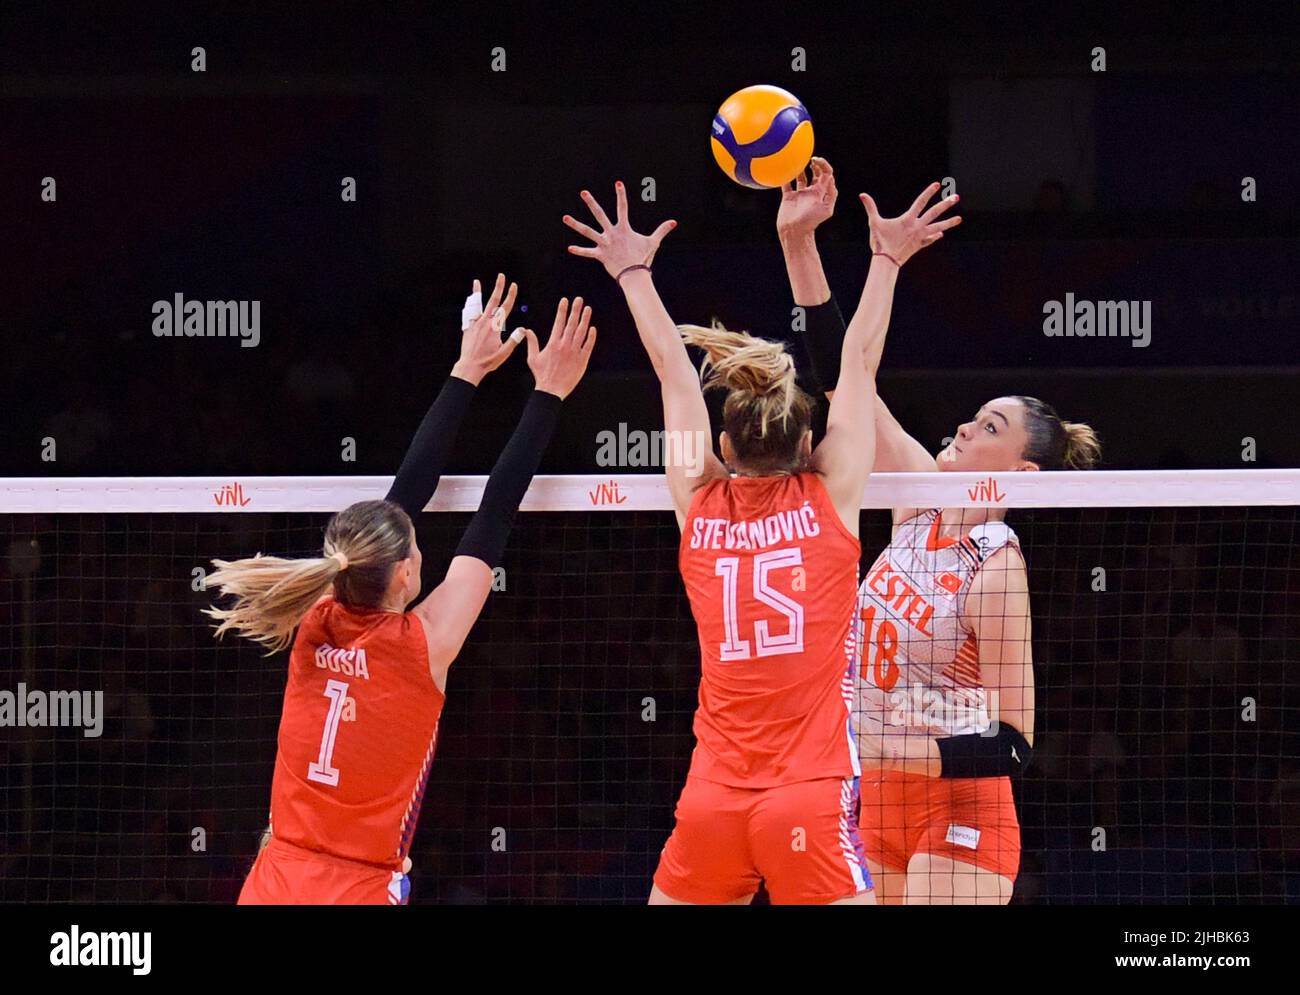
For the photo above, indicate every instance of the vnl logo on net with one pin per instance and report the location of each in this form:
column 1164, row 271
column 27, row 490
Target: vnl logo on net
column 1073, row 318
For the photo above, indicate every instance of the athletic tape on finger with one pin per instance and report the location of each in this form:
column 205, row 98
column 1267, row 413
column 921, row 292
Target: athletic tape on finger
column 472, row 310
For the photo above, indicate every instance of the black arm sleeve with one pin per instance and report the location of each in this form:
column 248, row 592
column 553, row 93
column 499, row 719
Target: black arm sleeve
column 823, row 340
column 417, row 477
column 485, row 538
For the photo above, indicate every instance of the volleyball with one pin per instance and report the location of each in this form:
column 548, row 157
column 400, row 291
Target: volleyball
column 762, row 137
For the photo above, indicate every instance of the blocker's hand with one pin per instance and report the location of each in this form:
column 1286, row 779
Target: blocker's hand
column 617, row 245
column 481, row 348
column 902, row 237
column 558, row 368
column 804, row 204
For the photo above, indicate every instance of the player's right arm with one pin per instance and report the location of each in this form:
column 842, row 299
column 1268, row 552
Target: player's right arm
column 452, row 608
column 626, row 256
column 481, row 352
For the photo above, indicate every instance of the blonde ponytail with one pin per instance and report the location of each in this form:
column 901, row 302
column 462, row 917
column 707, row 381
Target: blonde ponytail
column 363, row 543
column 272, row 595
column 766, row 412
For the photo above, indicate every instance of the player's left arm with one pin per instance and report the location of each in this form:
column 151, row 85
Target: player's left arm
column 481, row 352
column 848, row 451
column 997, row 611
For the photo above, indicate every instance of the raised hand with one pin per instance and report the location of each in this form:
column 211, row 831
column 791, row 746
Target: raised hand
column 617, row 245
column 558, row 368
column 481, row 348
column 804, row 204
column 902, row 237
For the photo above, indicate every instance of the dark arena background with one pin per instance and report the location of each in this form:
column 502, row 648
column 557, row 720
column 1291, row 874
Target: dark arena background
column 1108, row 157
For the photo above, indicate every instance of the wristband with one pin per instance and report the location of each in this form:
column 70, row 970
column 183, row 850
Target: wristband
column 890, row 258
column 619, row 279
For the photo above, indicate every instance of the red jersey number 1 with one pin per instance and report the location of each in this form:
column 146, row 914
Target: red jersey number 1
column 322, row 769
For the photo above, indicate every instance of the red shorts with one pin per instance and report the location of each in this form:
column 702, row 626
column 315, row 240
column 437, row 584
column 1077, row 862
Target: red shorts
column 284, row 874
column 971, row 821
column 801, row 839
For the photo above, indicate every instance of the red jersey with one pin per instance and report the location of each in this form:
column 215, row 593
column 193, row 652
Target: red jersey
column 771, row 573
column 357, row 734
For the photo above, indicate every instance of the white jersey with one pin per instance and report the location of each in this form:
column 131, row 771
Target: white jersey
column 918, row 662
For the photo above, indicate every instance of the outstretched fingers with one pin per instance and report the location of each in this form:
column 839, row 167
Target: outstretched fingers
column 495, row 299
column 658, row 234
column 597, row 211
column 919, row 204
column 561, row 316
column 500, row 315
column 586, row 231
column 938, row 209
column 578, row 317
column 873, row 212
column 620, row 201
column 507, row 347
column 825, row 178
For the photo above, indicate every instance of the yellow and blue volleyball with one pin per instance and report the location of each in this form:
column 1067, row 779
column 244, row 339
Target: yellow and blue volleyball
column 762, row 137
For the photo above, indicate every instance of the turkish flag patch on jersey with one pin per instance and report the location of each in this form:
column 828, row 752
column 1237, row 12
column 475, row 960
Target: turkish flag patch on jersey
column 949, row 582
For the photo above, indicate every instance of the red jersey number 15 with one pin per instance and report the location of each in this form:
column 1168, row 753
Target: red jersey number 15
column 764, row 641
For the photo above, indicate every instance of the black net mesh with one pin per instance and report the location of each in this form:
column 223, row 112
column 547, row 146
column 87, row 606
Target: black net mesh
column 1167, row 664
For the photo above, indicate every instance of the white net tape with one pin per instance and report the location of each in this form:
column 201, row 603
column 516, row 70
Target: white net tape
column 649, row 492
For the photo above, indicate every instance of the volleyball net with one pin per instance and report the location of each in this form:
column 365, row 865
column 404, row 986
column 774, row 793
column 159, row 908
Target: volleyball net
column 136, row 752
